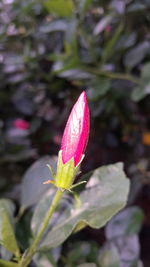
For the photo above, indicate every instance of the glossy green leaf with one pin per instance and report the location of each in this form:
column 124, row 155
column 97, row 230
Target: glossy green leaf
column 105, row 194
column 109, row 257
column 7, row 235
column 141, row 91
column 56, row 25
column 126, row 41
column 122, row 238
column 86, row 4
column 128, row 248
column 4, row 263
column 23, row 231
column 136, row 7
column 32, row 187
column 44, row 259
column 82, row 251
column 109, row 48
column 140, row 264
column 119, row 251
column 127, row 222
column 101, row 25
column 48, row 258
column 62, row 8
column 99, row 88
column 76, row 74
column 8, row 205
column 135, row 55
column 146, row 72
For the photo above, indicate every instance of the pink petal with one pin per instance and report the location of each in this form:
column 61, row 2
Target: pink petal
column 76, row 132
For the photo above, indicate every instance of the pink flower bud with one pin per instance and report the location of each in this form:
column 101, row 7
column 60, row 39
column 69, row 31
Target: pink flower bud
column 76, row 133
column 73, row 145
column 21, row 124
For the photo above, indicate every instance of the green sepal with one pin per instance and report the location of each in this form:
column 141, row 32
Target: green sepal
column 51, row 170
column 77, row 184
column 65, row 173
column 4, row 263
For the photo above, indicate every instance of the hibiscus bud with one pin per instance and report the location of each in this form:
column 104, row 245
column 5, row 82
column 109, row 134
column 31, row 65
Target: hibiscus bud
column 76, row 133
column 73, row 143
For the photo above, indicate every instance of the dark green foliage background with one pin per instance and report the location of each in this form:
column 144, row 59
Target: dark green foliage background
column 50, row 51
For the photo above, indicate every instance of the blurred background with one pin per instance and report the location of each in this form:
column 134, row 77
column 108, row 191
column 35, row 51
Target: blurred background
column 52, row 50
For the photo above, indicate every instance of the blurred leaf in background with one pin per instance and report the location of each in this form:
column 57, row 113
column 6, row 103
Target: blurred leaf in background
column 122, row 247
column 49, row 52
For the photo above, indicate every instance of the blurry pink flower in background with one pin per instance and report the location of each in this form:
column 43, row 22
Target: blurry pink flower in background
column 108, row 28
column 21, row 124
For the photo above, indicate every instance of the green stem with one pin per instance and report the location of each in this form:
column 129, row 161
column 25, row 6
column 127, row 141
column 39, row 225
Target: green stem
column 122, row 76
column 27, row 257
column 114, row 75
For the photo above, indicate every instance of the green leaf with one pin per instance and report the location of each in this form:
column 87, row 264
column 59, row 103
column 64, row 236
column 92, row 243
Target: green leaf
column 136, row 7
column 86, row 4
column 141, row 91
column 87, row 265
column 23, row 231
column 127, row 222
column 108, row 50
column 82, row 251
column 99, row 88
column 83, row 6
column 140, row 264
column 4, row 263
column 7, row 235
column 128, row 248
column 10, row 207
column 56, row 25
column 135, row 55
column 146, row 72
column 122, row 234
column 63, row 8
column 101, row 25
column 105, row 194
column 109, row 257
column 76, row 74
column 126, row 41
column 44, row 259
column 32, row 187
